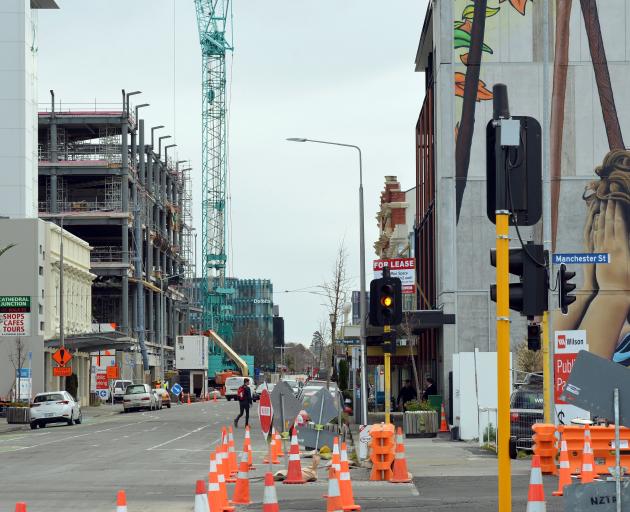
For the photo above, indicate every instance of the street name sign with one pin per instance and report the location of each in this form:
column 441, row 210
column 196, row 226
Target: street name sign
column 15, row 315
column 62, row 357
column 62, row 371
column 265, row 411
column 581, row 258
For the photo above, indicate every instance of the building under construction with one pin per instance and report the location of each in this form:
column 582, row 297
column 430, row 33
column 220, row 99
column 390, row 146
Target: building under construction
column 111, row 182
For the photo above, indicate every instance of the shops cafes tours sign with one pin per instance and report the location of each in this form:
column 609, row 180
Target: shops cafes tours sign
column 15, row 315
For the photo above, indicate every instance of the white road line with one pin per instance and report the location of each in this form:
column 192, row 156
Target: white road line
column 178, row 438
column 78, row 435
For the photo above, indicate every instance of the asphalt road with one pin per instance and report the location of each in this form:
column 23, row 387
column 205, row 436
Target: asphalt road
column 156, row 457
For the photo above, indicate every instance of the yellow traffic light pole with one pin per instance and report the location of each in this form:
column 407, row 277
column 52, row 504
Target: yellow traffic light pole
column 503, row 360
column 546, row 368
column 388, row 376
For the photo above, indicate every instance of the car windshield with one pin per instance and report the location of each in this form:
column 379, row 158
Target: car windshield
column 135, row 390
column 527, row 399
column 49, row 398
column 120, row 385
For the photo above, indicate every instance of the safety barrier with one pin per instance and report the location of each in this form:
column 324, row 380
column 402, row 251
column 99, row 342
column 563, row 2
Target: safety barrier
column 545, row 446
column 382, row 451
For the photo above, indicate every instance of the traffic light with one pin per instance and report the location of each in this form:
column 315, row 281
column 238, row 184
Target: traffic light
column 533, row 337
column 529, row 297
column 385, row 301
column 565, row 288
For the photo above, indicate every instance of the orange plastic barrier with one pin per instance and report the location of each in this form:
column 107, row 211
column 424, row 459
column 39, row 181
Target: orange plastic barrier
column 602, row 443
column 545, row 446
column 382, row 451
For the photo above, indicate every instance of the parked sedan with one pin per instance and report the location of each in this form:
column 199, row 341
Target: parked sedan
column 166, row 398
column 526, row 408
column 140, row 396
column 55, row 407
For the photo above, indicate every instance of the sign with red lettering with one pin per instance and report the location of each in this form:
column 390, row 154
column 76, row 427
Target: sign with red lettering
column 101, row 381
column 567, row 346
column 15, row 315
column 112, row 372
column 62, row 371
column 402, row 268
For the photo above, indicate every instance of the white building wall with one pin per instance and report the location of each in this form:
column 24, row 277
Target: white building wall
column 18, row 110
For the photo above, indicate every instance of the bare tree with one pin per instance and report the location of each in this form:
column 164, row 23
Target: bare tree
column 335, row 291
column 17, row 358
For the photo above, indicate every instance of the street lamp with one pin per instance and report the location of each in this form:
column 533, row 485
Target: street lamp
column 166, row 152
column 127, row 101
column 152, row 131
column 162, row 322
column 138, row 107
column 160, row 139
column 363, row 301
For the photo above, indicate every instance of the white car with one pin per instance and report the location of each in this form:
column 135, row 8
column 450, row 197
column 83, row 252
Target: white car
column 55, row 407
column 118, row 389
column 233, row 383
column 141, row 396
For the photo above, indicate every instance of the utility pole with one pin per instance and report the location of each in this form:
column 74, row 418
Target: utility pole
column 62, row 337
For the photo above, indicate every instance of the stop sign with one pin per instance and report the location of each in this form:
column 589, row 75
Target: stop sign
column 265, row 411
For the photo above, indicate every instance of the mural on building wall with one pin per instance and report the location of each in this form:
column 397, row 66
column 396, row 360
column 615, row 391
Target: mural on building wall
column 602, row 307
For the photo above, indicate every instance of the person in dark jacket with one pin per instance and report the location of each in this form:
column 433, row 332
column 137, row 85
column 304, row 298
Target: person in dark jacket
column 406, row 394
column 431, row 389
column 245, row 402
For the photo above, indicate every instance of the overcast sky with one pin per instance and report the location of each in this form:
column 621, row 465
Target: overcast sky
column 340, row 70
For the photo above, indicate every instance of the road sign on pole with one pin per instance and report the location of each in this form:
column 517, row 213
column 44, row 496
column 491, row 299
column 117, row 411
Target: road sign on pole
column 62, row 371
column 265, row 411
column 62, row 357
column 176, row 389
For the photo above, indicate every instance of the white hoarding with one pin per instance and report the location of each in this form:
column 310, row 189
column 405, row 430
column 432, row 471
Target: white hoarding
column 402, row 268
column 191, row 353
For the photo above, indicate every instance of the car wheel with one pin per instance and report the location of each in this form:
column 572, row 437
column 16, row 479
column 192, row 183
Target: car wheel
column 34, row 425
column 513, row 449
column 70, row 422
column 79, row 420
column 42, row 425
column 168, row 405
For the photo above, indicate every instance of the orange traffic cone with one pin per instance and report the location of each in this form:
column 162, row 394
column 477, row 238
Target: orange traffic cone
column 279, row 452
column 333, row 501
column 232, row 453
column 214, row 490
column 443, row 424
column 214, row 397
column 294, row 471
column 20, row 507
column 273, row 452
column 536, row 493
column 221, row 477
column 345, row 484
column 587, row 474
column 188, row 398
column 336, row 457
column 241, row 489
column 247, row 448
column 121, row 502
column 401, row 473
column 225, row 457
column 564, row 477
column 201, row 497
column 270, row 499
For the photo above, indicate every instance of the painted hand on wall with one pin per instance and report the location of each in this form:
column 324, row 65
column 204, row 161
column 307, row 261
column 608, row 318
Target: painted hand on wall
column 611, row 236
column 590, row 283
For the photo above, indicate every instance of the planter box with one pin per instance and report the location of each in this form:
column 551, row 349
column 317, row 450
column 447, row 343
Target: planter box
column 18, row 415
column 420, row 423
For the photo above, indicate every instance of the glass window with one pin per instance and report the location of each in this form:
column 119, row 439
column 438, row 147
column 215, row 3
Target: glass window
column 50, row 397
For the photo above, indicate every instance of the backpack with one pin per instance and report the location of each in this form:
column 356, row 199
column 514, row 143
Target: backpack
column 241, row 393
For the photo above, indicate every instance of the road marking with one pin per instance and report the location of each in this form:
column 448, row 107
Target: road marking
column 76, row 436
column 178, row 438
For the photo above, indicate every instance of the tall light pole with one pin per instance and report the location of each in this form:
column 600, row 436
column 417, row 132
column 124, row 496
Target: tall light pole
column 153, row 131
column 138, row 107
column 162, row 322
column 160, row 139
column 363, row 298
column 127, row 99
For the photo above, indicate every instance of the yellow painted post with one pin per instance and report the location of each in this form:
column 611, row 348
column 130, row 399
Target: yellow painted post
column 503, row 361
column 388, row 385
column 546, row 368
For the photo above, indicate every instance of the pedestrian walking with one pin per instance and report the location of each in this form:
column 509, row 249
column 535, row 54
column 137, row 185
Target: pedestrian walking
column 244, row 395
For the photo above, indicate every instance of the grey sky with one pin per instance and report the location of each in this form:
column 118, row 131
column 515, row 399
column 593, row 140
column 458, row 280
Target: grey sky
column 338, row 70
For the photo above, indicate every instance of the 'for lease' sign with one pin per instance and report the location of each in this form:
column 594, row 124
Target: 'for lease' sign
column 402, row 268
column 15, row 315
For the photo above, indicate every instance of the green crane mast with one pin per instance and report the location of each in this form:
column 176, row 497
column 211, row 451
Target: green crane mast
column 213, row 22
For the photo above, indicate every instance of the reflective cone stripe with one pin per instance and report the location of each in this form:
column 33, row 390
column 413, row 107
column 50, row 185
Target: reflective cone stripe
column 294, row 471
column 587, row 474
column 333, row 501
column 20, row 507
column 270, row 499
column 201, row 497
column 221, row 478
column 241, row 489
column 536, row 493
column 443, row 424
column 336, row 458
column 401, row 473
column 247, row 448
column 345, row 484
column 564, row 476
column 214, row 490
column 121, row 502
column 232, row 452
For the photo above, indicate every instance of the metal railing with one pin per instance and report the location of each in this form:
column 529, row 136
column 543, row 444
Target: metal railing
column 108, row 254
column 81, row 206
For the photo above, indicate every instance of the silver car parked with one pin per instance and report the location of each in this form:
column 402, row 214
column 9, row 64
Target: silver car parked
column 141, row 396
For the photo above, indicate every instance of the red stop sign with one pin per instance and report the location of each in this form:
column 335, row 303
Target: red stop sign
column 265, row 411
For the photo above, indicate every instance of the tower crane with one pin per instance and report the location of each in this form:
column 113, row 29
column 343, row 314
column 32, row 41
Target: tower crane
column 214, row 24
